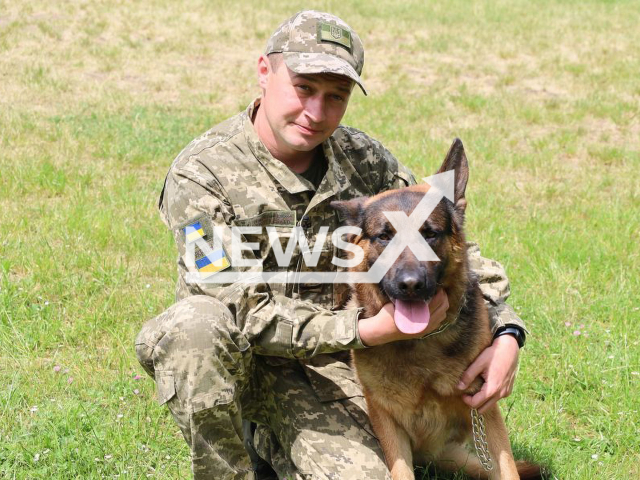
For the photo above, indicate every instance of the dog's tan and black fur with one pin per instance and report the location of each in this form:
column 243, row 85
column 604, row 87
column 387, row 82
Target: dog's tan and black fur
column 410, row 386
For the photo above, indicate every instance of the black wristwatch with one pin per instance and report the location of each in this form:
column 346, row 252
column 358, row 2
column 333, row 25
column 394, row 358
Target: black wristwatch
column 515, row 332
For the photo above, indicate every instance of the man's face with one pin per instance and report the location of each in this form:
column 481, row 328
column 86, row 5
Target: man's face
column 301, row 111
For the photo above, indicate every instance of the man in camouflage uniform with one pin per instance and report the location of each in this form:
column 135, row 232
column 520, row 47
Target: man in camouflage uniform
column 276, row 353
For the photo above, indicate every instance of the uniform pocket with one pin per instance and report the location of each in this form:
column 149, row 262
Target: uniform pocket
column 207, row 401
column 285, row 236
column 166, row 386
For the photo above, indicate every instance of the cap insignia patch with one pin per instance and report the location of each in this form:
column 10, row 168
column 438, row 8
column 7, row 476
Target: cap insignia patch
column 334, row 34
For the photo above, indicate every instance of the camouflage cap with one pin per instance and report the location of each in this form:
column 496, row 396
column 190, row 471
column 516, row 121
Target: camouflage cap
column 317, row 42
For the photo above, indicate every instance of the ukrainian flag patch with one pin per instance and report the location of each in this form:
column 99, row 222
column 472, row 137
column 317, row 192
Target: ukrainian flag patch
column 193, row 232
column 203, row 253
column 214, row 262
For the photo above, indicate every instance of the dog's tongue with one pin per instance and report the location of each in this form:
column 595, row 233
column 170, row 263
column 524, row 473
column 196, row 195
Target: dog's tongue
column 411, row 317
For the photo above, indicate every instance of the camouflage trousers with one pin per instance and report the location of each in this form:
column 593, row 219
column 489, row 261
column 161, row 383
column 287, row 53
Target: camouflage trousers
column 206, row 374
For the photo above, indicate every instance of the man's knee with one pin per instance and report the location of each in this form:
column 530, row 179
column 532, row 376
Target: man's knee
column 200, row 361
column 178, row 338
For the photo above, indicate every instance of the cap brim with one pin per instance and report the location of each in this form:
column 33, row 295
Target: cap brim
column 321, row 63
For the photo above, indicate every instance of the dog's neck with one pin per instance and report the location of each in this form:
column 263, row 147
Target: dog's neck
column 459, row 292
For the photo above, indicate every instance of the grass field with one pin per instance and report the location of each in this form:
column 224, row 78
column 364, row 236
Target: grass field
column 96, row 98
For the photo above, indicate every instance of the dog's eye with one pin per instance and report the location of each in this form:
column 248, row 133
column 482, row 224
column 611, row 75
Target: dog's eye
column 429, row 234
column 385, row 237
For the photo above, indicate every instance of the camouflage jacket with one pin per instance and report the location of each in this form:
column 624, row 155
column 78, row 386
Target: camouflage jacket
column 228, row 178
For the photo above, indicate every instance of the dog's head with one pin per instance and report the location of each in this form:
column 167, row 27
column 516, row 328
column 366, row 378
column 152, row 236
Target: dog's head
column 411, row 283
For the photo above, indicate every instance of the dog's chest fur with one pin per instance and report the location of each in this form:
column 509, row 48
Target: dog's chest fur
column 416, row 380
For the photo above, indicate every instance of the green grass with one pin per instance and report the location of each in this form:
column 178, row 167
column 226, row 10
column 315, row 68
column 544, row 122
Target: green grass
column 96, row 98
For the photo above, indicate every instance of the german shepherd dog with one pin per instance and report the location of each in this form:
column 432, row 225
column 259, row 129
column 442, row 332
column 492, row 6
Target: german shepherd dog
column 415, row 407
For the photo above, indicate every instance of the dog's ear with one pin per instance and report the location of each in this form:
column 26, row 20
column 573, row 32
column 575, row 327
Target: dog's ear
column 457, row 160
column 351, row 212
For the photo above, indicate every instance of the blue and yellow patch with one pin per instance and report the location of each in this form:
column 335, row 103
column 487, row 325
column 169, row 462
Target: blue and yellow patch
column 214, row 262
column 201, row 248
column 193, row 232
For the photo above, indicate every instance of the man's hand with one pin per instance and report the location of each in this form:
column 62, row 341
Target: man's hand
column 497, row 365
column 381, row 328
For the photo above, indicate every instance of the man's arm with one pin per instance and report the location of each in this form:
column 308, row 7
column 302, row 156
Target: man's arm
column 498, row 363
column 495, row 289
column 274, row 324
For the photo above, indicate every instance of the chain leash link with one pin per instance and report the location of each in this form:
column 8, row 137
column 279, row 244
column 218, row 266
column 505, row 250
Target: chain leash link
column 480, row 440
column 444, row 325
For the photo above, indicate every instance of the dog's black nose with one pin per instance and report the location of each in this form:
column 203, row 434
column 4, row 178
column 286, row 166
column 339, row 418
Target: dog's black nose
column 411, row 283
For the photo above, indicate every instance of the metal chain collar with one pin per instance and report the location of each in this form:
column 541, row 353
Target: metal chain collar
column 444, row 325
column 480, row 440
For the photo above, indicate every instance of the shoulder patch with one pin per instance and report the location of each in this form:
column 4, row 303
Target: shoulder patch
column 193, row 232
column 203, row 253
column 215, row 261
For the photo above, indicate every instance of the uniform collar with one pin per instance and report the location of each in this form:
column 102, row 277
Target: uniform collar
column 333, row 182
